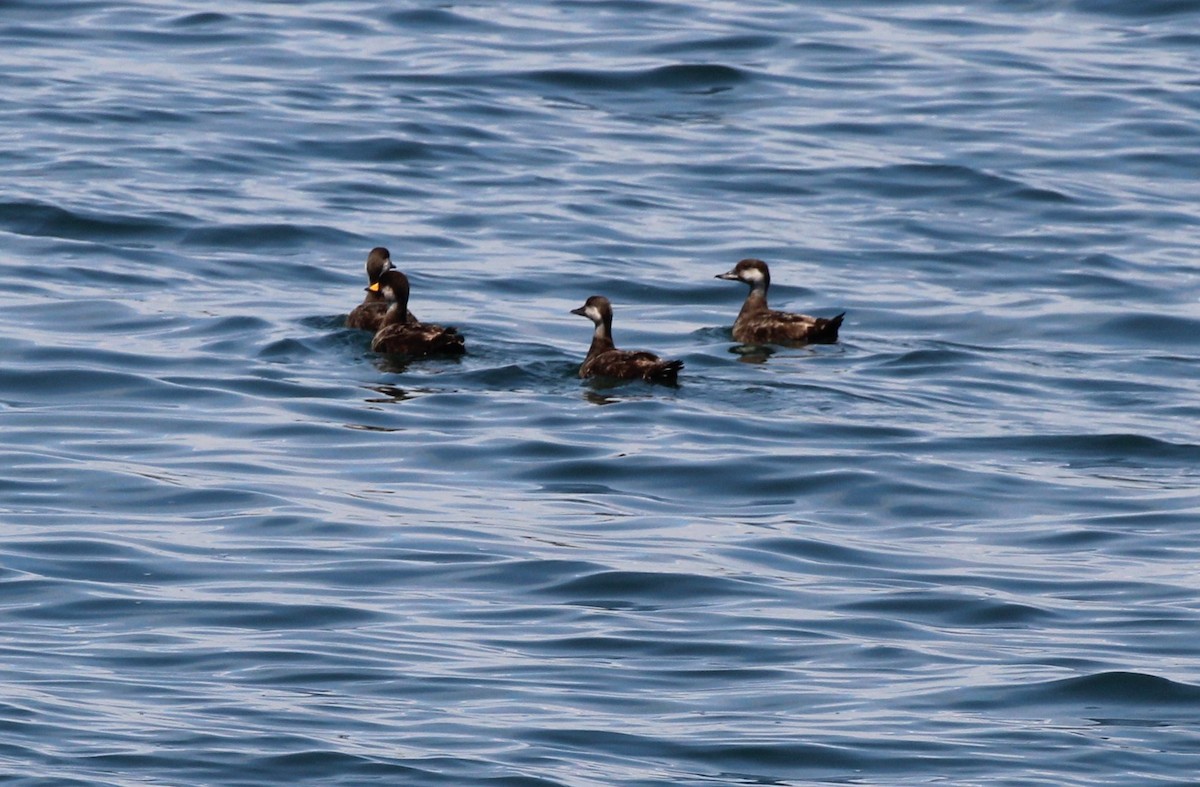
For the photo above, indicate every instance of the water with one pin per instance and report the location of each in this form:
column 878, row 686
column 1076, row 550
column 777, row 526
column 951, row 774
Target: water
column 959, row 546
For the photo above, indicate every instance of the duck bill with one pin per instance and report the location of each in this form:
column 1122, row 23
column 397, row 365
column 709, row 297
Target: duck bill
column 580, row 311
column 373, row 287
column 727, row 276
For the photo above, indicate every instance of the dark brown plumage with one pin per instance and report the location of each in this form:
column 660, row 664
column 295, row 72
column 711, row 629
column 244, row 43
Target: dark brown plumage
column 757, row 324
column 368, row 315
column 605, row 360
column 397, row 336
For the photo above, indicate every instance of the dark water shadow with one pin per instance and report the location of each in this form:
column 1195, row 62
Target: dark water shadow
column 398, row 364
column 752, row 353
column 607, row 390
column 390, row 394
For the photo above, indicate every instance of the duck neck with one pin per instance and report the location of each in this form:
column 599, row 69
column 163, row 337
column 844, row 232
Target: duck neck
column 756, row 301
column 602, row 338
column 397, row 313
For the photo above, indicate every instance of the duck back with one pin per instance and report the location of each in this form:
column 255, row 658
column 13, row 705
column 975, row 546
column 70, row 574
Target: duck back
column 368, row 315
column 631, row 365
column 418, row 340
column 765, row 327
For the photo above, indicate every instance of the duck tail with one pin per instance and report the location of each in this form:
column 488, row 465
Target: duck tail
column 827, row 330
column 451, row 342
column 664, row 372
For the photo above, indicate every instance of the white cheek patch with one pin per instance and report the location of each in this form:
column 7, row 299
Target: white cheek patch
column 752, row 276
column 593, row 313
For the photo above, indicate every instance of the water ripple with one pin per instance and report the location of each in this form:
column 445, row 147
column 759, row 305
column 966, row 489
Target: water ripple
column 241, row 548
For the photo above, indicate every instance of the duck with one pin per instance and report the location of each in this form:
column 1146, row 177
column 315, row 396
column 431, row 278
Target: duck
column 757, row 324
column 368, row 315
column 398, row 336
column 605, row 360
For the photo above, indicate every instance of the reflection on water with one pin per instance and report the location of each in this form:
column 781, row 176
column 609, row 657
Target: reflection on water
column 373, row 428
column 752, row 353
column 391, row 394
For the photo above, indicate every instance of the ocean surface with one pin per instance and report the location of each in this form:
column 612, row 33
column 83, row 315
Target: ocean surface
column 961, row 546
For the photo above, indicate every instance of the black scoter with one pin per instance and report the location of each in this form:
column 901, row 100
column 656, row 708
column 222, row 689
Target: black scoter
column 605, row 360
column 398, row 336
column 757, row 324
column 368, row 315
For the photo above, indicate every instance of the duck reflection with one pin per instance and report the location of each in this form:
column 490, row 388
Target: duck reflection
column 752, row 353
column 389, row 394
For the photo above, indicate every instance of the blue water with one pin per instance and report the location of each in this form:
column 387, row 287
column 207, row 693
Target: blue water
column 960, row 546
